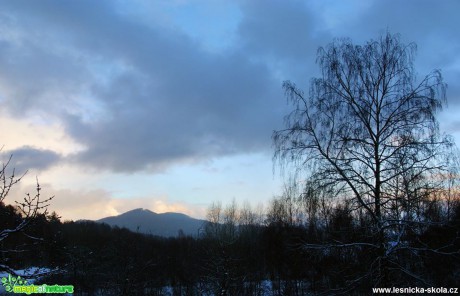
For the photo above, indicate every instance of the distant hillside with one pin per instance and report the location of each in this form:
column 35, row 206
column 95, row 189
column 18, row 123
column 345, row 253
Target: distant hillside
column 145, row 221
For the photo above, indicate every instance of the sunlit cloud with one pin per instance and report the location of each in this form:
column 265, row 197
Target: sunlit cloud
column 96, row 204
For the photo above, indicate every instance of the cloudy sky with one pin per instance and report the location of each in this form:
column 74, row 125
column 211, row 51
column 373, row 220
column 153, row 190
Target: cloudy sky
column 170, row 105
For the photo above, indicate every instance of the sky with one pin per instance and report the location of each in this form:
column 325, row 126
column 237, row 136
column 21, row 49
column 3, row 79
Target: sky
column 170, row 105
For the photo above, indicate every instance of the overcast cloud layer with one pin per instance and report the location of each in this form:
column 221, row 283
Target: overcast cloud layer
column 139, row 87
column 143, row 94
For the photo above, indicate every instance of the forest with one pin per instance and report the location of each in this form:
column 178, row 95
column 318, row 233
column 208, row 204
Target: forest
column 237, row 256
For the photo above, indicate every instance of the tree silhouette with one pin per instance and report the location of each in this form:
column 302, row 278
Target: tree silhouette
column 367, row 133
column 16, row 223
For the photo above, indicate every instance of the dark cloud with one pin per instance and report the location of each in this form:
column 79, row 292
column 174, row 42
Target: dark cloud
column 283, row 34
column 162, row 98
column 280, row 29
column 210, row 108
column 142, row 95
column 27, row 158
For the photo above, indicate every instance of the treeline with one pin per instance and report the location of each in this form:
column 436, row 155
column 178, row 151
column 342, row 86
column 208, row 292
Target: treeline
column 284, row 251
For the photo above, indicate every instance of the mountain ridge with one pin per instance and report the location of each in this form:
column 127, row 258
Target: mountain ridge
column 168, row 224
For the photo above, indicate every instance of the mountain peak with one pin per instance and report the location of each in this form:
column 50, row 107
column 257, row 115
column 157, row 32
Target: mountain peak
column 165, row 224
column 139, row 210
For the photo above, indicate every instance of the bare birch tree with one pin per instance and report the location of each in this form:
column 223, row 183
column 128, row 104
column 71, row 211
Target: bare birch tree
column 367, row 132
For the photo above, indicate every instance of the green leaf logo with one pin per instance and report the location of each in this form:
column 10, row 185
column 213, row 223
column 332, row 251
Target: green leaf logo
column 12, row 281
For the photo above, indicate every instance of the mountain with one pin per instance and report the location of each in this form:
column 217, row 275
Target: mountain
column 146, row 221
